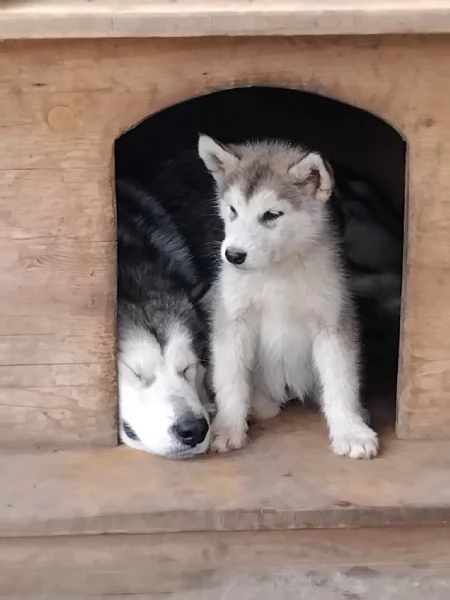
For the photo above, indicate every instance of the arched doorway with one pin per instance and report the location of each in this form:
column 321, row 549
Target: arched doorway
column 369, row 161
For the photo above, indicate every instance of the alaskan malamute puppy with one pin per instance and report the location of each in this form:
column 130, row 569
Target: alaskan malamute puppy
column 161, row 332
column 283, row 321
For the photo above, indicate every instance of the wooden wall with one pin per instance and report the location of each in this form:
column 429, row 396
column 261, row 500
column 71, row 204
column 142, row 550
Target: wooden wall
column 62, row 104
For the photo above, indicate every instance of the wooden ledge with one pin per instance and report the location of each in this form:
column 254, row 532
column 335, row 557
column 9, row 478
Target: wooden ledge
column 285, row 479
column 39, row 19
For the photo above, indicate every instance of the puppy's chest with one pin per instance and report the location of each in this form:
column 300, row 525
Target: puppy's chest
column 286, row 304
column 281, row 302
column 284, row 337
column 285, row 324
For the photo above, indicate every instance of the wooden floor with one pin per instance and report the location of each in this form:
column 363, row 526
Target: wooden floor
column 119, row 522
column 286, row 478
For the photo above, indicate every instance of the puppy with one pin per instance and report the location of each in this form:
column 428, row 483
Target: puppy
column 283, row 322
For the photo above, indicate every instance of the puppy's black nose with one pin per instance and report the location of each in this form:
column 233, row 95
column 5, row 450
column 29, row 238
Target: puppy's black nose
column 191, row 431
column 235, row 257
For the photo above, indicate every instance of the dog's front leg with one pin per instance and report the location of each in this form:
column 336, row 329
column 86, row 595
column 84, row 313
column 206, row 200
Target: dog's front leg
column 336, row 359
column 232, row 361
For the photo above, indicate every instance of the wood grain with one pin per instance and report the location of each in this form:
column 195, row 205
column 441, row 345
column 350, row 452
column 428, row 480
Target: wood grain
column 56, row 203
column 154, row 565
column 73, row 271
column 57, row 268
column 57, row 300
column 177, row 18
column 63, row 287
column 55, row 417
column 58, row 405
column 56, row 375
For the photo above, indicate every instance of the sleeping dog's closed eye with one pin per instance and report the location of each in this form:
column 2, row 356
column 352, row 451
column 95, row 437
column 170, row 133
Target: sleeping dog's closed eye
column 129, row 431
column 145, row 381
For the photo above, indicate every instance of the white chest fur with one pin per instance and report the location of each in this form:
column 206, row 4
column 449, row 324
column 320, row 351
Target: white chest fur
column 284, row 330
column 282, row 311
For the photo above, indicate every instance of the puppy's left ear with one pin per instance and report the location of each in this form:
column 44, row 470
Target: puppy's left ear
column 314, row 176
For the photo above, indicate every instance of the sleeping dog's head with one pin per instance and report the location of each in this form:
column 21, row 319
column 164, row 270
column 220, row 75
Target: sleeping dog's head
column 162, row 396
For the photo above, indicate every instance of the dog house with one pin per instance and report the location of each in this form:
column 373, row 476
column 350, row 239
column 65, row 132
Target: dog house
column 75, row 76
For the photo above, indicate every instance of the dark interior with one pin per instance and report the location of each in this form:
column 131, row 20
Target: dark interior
column 360, row 147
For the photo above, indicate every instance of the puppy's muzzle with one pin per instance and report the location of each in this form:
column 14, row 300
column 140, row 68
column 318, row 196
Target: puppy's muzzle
column 235, row 256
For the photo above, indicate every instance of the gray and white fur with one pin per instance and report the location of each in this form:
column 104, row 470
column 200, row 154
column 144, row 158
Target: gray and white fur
column 283, row 321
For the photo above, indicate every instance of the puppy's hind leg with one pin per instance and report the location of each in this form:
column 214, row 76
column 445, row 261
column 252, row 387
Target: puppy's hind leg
column 336, row 358
column 263, row 408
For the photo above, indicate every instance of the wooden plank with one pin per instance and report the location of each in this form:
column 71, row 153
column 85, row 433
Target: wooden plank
column 91, row 106
column 58, row 276
column 62, row 398
column 200, row 563
column 57, row 130
column 177, row 18
column 67, row 289
column 29, row 349
column 58, row 266
column 424, row 403
column 56, row 421
column 58, row 405
column 56, row 203
column 287, row 478
column 57, row 375
column 421, row 422
column 57, row 306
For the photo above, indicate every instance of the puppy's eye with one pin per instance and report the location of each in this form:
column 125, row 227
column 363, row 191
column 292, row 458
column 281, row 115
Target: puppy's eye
column 189, row 372
column 233, row 212
column 271, row 215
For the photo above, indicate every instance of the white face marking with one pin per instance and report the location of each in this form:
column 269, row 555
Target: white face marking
column 266, row 227
column 157, row 387
column 253, row 242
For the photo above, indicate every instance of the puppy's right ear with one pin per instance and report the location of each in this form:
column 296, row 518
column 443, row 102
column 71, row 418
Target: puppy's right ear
column 314, row 176
column 218, row 159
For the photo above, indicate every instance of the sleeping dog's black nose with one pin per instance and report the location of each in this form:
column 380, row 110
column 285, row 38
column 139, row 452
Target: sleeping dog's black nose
column 191, row 431
column 235, row 257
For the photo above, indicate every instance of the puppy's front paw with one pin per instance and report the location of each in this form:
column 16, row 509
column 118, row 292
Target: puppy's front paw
column 356, row 441
column 227, row 438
